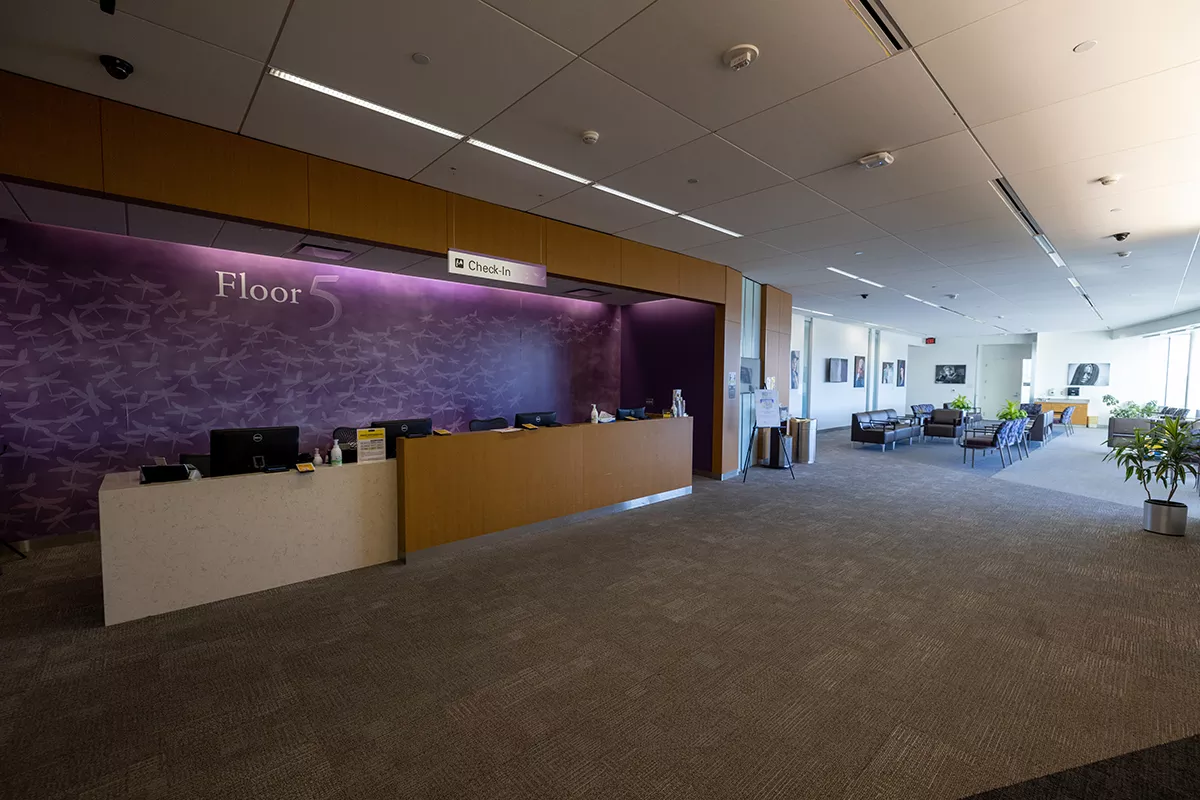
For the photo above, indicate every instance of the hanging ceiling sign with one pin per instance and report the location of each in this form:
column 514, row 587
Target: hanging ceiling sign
column 477, row 265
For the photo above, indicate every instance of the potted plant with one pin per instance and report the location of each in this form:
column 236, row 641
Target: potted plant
column 961, row 403
column 1011, row 411
column 1129, row 409
column 1167, row 454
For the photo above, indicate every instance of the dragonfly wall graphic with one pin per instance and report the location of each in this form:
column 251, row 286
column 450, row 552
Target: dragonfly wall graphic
column 114, row 351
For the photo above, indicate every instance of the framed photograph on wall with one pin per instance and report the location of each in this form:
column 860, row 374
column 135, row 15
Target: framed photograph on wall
column 795, row 369
column 901, row 368
column 889, row 370
column 950, row 373
column 836, row 370
column 860, row 372
column 1087, row 373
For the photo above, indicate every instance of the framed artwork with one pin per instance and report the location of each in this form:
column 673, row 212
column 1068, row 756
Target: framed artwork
column 835, row 370
column 795, row 370
column 860, row 372
column 1087, row 373
column 889, row 370
column 900, row 370
column 950, row 373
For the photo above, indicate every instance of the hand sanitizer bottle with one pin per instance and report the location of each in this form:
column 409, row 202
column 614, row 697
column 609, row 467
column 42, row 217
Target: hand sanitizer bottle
column 595, row 413
column 317, row 457
column 335, row 455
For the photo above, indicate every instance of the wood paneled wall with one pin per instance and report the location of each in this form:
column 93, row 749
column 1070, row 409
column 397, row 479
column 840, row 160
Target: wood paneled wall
column 53, row 135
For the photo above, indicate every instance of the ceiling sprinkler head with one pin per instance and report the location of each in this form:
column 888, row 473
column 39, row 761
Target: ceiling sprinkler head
column 1109, row 180
column 952, row 296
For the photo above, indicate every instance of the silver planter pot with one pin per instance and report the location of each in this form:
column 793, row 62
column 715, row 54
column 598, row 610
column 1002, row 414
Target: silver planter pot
column 1169, row 519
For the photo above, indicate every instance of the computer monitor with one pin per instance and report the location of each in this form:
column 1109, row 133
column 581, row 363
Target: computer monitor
column 543, row 419
column 631, row 413
column 237, row 451
column 395, row 428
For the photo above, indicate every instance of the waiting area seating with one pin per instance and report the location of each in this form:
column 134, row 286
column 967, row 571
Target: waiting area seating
column 1171, row 411
column 944, row 423
column 970, row 415
column 882, row 427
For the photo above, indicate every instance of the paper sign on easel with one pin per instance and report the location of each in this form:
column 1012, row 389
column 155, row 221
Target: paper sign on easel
column 372, row 444
column 766, row 408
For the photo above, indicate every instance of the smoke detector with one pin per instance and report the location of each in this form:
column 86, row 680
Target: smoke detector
column 876, row 160
column 741, row 56
column 1109, row 180
column 1124, row 254
column 589, row 137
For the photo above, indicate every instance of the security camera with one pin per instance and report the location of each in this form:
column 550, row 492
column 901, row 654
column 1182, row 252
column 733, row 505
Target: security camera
column 864, row 296
column 119, row 68
column 1120, row 237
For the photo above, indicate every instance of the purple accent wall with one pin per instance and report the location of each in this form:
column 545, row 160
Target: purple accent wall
column 114, row 350
column 665, row 345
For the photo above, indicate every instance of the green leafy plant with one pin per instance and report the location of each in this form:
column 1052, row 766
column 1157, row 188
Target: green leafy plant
column 961, row 403
column 1129, row 409
column 1167, row 454
column 1011, row 411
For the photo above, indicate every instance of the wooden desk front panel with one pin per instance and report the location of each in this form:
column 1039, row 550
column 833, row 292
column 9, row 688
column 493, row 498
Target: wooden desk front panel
column 1081, row 408
column 471, row 484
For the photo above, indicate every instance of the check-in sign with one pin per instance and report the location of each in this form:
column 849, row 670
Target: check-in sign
column 477, row 265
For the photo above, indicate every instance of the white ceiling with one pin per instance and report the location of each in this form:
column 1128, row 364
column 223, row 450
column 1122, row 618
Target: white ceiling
column 67, row 209
column 992, row 88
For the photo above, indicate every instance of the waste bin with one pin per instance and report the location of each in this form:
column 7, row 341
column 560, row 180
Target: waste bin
column 777, row 449
column 804, row 438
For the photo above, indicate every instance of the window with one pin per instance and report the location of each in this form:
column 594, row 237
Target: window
column 1179, row 347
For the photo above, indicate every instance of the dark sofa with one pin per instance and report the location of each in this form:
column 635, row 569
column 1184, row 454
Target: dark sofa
column 882, row 427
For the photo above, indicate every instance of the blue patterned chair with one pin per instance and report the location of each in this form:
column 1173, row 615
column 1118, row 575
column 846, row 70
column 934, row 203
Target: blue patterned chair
column 922, row 411
column 995, row 438
column 1064, row 419
column 1032, row 409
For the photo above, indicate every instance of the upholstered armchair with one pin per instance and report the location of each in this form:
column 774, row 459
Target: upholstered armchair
column 944, row 423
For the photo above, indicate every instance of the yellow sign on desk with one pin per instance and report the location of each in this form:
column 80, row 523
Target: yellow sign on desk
column 372, row 444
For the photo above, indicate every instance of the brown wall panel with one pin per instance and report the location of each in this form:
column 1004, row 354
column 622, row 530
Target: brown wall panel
column 359, row 203
column 166, row 160
column 580, row 253
column 649, row 268
column 733, row 295
column 49, row 134
column 495, row 230
column 701, row 280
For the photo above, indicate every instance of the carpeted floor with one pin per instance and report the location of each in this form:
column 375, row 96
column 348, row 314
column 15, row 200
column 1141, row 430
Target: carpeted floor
column 876, row 628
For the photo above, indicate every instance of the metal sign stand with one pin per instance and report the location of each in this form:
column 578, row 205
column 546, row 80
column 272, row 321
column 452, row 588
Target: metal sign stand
column 750, row 450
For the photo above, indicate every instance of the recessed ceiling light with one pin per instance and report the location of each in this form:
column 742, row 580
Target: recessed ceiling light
column 633, row 199
column 325, row 253
column 585, row 292
column 717, row 228
column 358, row 101
column 1083, row 47
column 421, row 58
column 859, row 253
column 529, row 161
column 1073, row 282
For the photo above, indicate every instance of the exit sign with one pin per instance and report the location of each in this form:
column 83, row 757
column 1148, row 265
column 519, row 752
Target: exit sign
column 930, row 340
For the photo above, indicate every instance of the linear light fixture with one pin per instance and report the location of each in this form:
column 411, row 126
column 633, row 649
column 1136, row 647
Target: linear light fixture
column 910, row 297
column 1057, row 259
column 358, row 101
column 810, row 311
column 716, row 228
column 1044, row 243
column 429, row 126
column 491, row 148
column 842, row 272
column 872, row 283
column 637, row 200
column 1073, row 282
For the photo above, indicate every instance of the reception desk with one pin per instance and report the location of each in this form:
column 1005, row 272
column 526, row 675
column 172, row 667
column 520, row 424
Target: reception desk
column 1057, row 406
column 170, row 546
column 457, row 487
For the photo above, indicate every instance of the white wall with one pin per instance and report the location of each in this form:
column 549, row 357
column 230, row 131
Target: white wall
column 1133, row 376
column 893, row 347
column 833, row 403
column 922, row 360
